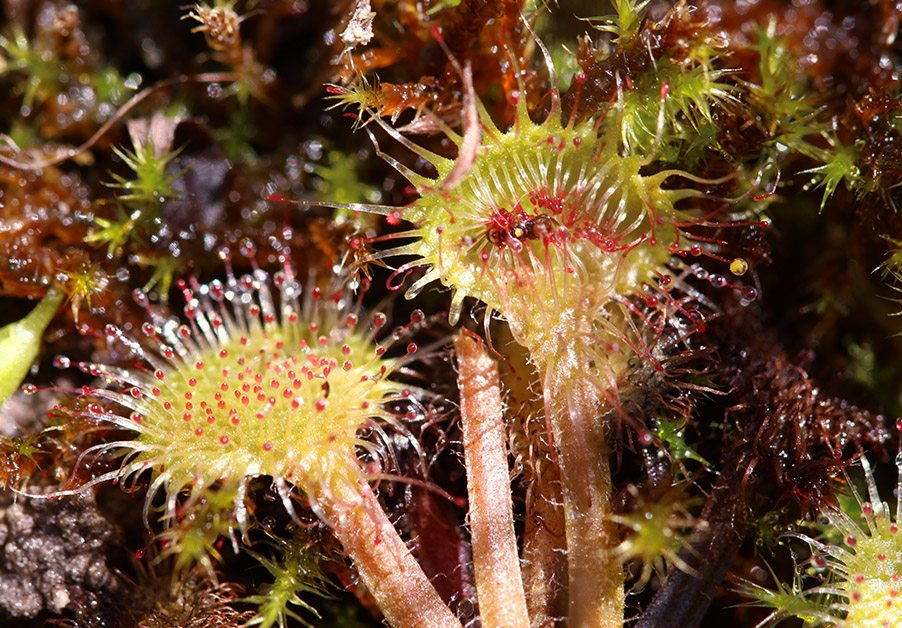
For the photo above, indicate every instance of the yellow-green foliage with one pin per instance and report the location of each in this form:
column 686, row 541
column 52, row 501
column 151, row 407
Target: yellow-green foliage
column 693, row 94
column 861, row 552
column 656, row 532
column 295, row 573
column 339, row 181
column 114, row 234
column 839, row 165
column 193, row 541
column 625, row 24
column 248, row 385
column 20, row 343
column 151, row 183
column 670, row 433
column 781, row 98
column 789, row 112
column 785, row 601
column 41, row 72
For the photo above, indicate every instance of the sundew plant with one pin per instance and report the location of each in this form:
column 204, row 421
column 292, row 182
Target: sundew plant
column 563, row 229
column 252, row 384
column 434, row 313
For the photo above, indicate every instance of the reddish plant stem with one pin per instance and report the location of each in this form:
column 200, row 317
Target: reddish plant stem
column 545, row 550
column 595, row 590
column 397, row 582
column 443, row 549
column 499, row 583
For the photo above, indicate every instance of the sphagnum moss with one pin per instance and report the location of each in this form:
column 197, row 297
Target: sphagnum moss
column 250, row 384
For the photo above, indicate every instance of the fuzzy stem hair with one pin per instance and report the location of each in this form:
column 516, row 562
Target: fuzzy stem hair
column 596, row 594
column 499, row 583
column 390, row 572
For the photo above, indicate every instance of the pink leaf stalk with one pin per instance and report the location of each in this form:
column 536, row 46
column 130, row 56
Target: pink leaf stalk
column 499, row 584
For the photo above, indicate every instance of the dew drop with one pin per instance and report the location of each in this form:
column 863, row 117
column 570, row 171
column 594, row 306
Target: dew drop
column 61, row 362
column 247, row 248
column 748, row 295
column 29, row 389
column 140, row 297
column 739, row 266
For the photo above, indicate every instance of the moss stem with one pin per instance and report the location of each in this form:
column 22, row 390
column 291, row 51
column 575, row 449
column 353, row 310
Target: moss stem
column 499, row 583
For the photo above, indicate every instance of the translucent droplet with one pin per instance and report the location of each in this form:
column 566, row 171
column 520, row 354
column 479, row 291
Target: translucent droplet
column 748, row 295
column 718, row 281
column 739, row 266
column 133, row 81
